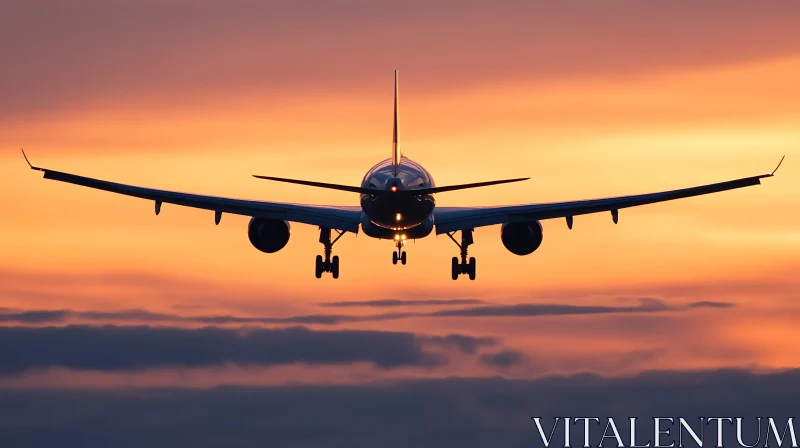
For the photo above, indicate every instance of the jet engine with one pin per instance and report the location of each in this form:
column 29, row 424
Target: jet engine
column 268, row 235
column 522, row 238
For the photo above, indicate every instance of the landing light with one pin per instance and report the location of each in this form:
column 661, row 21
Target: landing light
column 397, row 237
column 399, row 217
column 394, row 188
column 404, row 236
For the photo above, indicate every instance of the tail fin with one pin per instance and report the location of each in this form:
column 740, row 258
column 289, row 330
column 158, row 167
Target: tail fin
column 395, row 149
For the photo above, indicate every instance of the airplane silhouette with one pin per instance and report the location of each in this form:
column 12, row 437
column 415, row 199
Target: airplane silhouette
column 397, row 203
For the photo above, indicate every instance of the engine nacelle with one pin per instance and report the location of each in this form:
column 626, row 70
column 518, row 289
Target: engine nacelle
column 268, row 235
column 522, row 238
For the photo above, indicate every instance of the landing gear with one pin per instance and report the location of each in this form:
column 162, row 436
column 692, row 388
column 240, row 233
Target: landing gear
column 462, row 266
column 399, row 254
column 328, row 264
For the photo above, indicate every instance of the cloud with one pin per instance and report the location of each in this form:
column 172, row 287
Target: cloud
column 504, row 359
column 385, row 303
column 711, row 304
column 466, row 344
column 114, row 348
column 137, row 315
column 34, row 316
column 647, row 305
column 319, row 319
column 64, row 315
column 444, row 413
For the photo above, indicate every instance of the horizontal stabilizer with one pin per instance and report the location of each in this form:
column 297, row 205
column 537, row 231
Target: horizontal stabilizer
column 372, row 191
column 321, row 184
column 465, row 186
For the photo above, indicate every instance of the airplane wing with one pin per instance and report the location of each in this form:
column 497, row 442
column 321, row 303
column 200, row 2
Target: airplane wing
column 340, row 218
column 450, row 219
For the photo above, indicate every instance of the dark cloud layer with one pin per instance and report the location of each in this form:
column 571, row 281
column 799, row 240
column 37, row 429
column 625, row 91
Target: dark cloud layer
column 388, row 303
column 69, row 54
column 112, row 348
column 466, row 344
column 503, row 359
column 647, row 305
column 710, row 304
column 443, row 413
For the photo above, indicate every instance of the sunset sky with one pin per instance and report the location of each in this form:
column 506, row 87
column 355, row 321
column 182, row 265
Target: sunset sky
column 589, row 99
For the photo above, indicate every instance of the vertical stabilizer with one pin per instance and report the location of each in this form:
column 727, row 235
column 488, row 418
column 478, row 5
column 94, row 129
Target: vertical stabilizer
column 395, row 148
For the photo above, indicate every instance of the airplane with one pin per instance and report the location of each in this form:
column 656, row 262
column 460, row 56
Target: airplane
column 397, row 203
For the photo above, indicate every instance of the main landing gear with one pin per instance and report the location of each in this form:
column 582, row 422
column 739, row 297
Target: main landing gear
column 462, row 266
column 328, row 264
column 399, row 254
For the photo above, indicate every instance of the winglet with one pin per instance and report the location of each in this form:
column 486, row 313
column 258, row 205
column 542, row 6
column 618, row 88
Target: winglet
column 779, row 165
column 29, row 162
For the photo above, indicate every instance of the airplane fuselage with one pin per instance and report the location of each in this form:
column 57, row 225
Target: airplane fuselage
column 389, row 216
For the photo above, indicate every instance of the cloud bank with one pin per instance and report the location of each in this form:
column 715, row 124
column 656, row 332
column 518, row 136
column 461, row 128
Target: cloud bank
column 647, row 305
column 444, row 413
column 114, row 348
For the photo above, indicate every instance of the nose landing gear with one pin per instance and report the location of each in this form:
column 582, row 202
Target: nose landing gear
column 328, row 264
column 399, row 254
column 463, row 266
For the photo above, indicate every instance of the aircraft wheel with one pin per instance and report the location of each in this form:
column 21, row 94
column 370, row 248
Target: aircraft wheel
column 318, row 271
column 471, row 268
column 456, row 268
column 403, row 258
column 394, row 257
column 335, row 266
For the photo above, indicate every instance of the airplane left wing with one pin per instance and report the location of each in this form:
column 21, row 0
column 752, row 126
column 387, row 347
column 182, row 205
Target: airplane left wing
column 450, row 219
column 340, row 218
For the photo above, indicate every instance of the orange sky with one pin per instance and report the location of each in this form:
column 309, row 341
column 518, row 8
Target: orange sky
column 603, row 127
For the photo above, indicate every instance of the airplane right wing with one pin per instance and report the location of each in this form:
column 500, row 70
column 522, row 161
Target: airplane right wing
column 340, row 218
column 450, row 219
